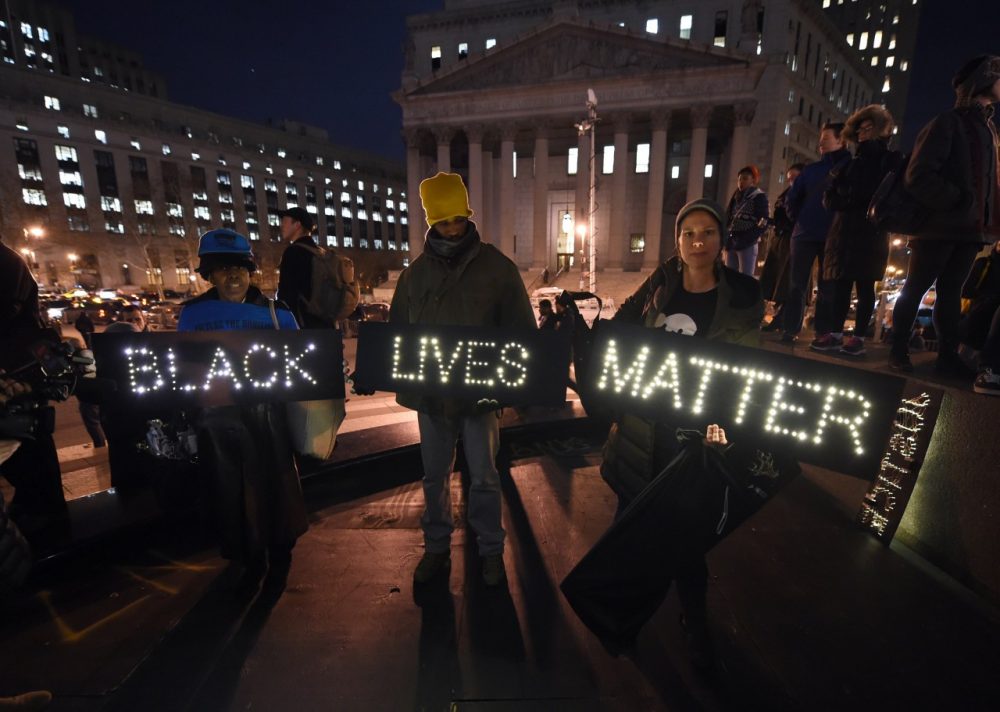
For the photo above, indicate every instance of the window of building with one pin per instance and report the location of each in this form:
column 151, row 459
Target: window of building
column 166, row 149
column 435, row 58
column 134, row 143
column 652, row 25
column 675, row 172
column 637, row 242
column 111, row 204
column 144, row 207
column 201, row 212
column 26, row 30
column 78, row 223
column 877, row 40
column 463, row 50
column 890, row 61
column 850, row 38
column 177, row 229
column 90, row 111
column 70, row 178
column 892, row 42
column 246, row 181
column 34, row 196
column 100, row 136
column 709, row 169
column 719, row 37
column 572, row 158
column 175, row 210
column 491, row 42
column 685, row 27
column 886, row 85
column 863, row 41
column 514, row 164
column 289, row 172
column 642, row 158
column 75, row 200
column 52, row 103
column 875, row 61
column 66, row 153
column 348, row 241
column 195, row 156
column 608, row 160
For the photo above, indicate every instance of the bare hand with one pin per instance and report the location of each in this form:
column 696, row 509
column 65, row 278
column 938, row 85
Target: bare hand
column 715, row 435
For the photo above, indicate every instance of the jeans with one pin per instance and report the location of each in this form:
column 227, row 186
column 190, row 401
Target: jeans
column 842, row 304
column 744, row 260
column 480, row 442
column 947, row 263
column 803, row 254
column 91, row 416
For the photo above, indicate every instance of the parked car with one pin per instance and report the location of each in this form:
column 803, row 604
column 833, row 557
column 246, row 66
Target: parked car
column 163, row 317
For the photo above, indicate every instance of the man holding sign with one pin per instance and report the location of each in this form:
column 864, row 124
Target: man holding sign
column 459, row 281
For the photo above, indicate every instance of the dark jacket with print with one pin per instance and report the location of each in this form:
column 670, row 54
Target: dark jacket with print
column 953, row 173
column 855, row 249
column 747, row 209
column 477, row 287
column 628, row 453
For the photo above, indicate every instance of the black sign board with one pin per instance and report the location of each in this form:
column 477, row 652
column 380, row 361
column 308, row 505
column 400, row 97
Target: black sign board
column 510, row 366
column 827, row 415
column 223, row 367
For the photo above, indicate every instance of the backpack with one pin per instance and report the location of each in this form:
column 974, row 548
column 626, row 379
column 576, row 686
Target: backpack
column 893, row 208
column 335, row 293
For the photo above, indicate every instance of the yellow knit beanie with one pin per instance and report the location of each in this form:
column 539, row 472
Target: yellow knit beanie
column 444, row 197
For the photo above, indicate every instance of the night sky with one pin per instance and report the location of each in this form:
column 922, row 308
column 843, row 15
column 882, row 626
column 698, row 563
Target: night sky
column 334, row 64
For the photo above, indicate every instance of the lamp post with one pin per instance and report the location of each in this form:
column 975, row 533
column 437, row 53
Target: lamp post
column 588, row 276
column 27, row 251
column 71, row 256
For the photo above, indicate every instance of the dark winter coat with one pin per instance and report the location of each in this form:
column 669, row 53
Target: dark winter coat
column 246, row 456
column 774, row 275
column 477, row 287
column 746, row 218
column 295, row 282
column 953, row 173
column 855, row 249
column 629, row 459
column 805, row 198
column 18, row 295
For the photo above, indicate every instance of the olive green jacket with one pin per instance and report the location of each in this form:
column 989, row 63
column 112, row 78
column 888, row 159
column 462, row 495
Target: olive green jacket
column 479, row 287
column 628, row 453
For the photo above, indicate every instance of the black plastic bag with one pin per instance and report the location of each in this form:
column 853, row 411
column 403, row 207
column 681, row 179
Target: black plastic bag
column 700, row 497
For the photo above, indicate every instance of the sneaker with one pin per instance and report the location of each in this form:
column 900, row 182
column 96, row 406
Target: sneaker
column 788, row 338
column 432, row 564
column 900, row 363
column 826, row 342
column 493, row 570
column 987, row 383
column 853, row 346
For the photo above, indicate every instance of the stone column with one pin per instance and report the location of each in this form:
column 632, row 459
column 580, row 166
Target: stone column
column 582, row 188
column 444, row 135
column 474, row 134
column 617, row 242
column 659, row 122
column 742, row 116
column 488, row 220
column 506, row 208
column 415, row 210
column 540, row 221
column 700, row 116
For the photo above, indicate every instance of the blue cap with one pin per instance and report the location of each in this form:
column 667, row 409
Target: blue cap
column 224, row 242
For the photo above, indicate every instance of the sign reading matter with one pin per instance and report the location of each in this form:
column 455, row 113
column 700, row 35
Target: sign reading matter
column 509, row 366
column 827, row 415
column 223, row 367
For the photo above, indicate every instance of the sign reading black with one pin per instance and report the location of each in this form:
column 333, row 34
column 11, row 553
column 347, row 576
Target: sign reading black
column 827, row 415
column 510, row 366
column 223, row 367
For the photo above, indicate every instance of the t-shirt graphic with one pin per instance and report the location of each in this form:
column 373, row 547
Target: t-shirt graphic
column 688, row 313
column 676, row 324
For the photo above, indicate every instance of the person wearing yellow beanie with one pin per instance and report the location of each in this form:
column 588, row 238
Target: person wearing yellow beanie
column 458, row 280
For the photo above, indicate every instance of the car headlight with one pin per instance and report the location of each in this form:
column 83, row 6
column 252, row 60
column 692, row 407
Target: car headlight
column 55, row 313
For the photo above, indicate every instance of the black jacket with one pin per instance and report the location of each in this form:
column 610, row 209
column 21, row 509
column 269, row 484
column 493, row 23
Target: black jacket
column 747, row 209
column 953, row 173
column 18, row 295
column 295, row 282
column 854, row 248
column 774, row 275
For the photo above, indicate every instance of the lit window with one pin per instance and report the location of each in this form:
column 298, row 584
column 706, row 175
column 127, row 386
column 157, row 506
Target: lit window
column 709, row 168
column 875, row 61
column 63, row 131
column 826, row 3
column 361, row 185
column 75, row 200
column 608, row 163
column 100, row 136
column 222, row 160
column 52, row 103
column 195, row 156
column 26, row 30
column 514, row 164
column 863, row 42
column 90, row 110
column 201, row 212
column 34, row 196
column 463, row 50
column 144, row 207
column 637, row 242
column 378, row 244
column 135, row 144
column 166, row 149
column 98, row 72
column 362, row 214
column 675, row 172
column 436, row 52
column 652, row 26
column 21, row 126
column 571, row 160
column 850, row 38
column 345, row 212
column 491, row 42
column 877, row 41
column 402, row 206
column 642, row 158
column 273, row 220
column 66, row 153
column 359, row 199
column 886, row 85
column 890, row 61
column 319, row 160
column 721, row 19
column 904, row 65
column 175, row 210
column 685, row 27
column 364, row 243
column 348, row 241
column 111, row 204
column 43, row 34
column 289, row 172
column 892, row 42
column 70, row 178
column 336, row 165
column 246, row 181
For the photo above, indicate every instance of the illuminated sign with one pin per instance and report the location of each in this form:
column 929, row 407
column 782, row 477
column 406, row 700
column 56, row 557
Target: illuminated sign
column 221, row 367
column 510, row 366
column 884, row 504
column 827, row 415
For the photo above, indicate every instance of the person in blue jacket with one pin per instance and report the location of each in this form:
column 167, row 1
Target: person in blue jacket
column 746, row 220
column 812, row 221
column 245, row 451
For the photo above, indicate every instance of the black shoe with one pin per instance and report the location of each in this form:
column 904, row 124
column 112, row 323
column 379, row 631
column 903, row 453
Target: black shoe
column 788, row 338
column 900, row 363
column 950, row 364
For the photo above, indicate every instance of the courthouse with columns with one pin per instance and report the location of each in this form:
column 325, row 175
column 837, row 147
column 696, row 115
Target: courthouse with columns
column 686, row 96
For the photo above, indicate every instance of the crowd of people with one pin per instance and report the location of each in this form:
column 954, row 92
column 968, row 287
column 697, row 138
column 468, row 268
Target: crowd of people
column 706, row 290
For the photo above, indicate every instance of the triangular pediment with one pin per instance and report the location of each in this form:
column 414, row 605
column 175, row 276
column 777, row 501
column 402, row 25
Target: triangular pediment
column 567, row 51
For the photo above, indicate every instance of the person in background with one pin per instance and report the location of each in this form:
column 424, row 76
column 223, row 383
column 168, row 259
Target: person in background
column 85, row 325
column 747, row 220
column 980, row 326
column 774, row 275
column 953, row 174
column 458, row 280
column 547, row 319
column 812, row 221
column 245, row 451
column 856, row 252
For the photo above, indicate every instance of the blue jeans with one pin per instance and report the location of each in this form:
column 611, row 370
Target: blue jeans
column 481, row 442
column 803, row 254
column 744, row 260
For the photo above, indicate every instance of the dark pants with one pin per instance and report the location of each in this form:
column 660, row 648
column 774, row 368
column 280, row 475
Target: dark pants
column 34, row 472
column 90, row 413
column 842, row 304
column 948, row 263
column 990, row 356
column 803, row 254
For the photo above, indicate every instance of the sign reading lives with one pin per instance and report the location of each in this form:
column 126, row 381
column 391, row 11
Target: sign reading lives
column 510, row 366
column 223, row 367
column 826, row 415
